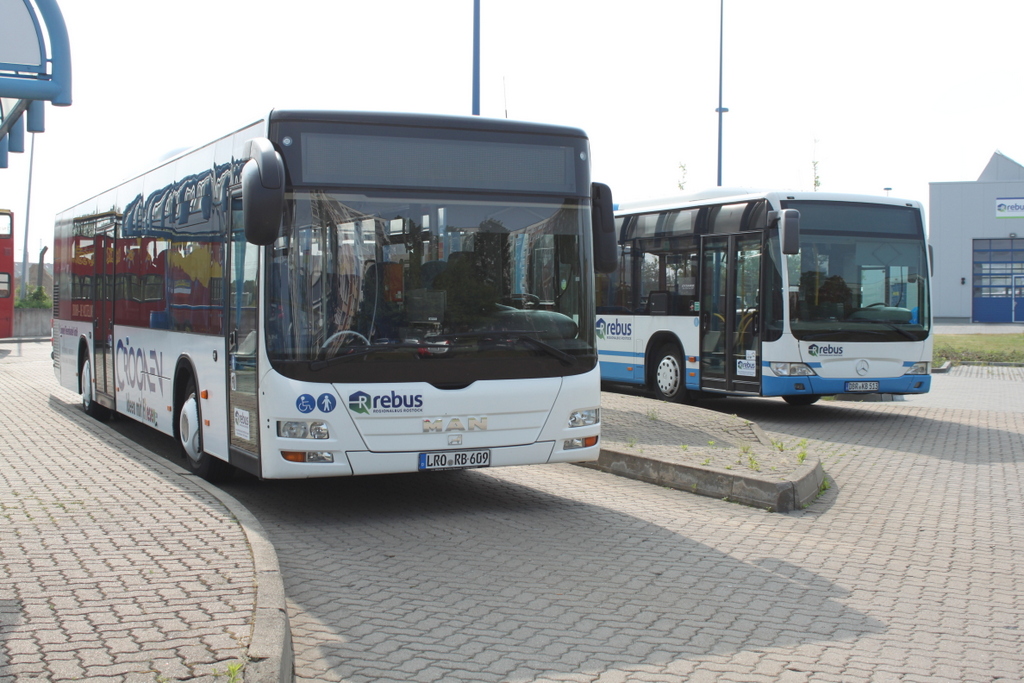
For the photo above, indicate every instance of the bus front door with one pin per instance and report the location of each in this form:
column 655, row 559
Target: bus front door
column 243, row 338
column 729, row 313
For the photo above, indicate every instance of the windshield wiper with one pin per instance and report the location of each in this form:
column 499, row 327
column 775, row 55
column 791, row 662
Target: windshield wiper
column 513, row 337
column 841, row 335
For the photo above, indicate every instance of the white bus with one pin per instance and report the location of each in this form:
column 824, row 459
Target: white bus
column 334, row 293
column 798, row 295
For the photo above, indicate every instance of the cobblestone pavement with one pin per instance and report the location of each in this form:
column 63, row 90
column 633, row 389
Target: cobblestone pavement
column 112, row 566
column 906, row 569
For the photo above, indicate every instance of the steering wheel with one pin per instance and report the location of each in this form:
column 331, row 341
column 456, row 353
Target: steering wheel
column 342, row 333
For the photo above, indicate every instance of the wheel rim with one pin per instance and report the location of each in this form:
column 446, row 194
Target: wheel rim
column 668, row 376
column 188, row 428
column 86, row 385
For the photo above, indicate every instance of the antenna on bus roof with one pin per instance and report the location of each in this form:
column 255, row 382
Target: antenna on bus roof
column 504, row 93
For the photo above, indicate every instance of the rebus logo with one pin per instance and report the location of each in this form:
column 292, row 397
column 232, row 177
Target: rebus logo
column 360, row 402
column 393, row 402
column 826, row 350
column 615, row 328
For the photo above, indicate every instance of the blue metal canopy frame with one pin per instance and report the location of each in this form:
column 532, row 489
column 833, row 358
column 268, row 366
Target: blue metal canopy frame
column 31, row 74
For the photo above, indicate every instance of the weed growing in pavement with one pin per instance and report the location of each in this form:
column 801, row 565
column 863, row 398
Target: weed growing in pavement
column 233, row 673
column 683, row 446
column 711, row 443
column 652, row 415
column 631, row 442
column 706, row 461
column 753, row 463
column 801, row 456
column 778, row 444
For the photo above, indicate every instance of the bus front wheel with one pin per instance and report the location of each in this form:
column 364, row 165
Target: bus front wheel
column 190, row 438
column 801, row 399
column 89, row 404
column 668, row 374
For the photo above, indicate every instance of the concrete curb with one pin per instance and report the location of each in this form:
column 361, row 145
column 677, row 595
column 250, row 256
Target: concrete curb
column 271, row 656
column 795, row 493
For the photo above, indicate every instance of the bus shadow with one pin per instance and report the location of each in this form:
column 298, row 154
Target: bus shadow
column 479, row 573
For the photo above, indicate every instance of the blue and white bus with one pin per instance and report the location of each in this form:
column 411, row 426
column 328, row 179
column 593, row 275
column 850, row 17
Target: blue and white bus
column 323, row 294
column 792, row 294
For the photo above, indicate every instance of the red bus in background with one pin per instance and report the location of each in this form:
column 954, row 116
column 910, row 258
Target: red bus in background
column 6, row 274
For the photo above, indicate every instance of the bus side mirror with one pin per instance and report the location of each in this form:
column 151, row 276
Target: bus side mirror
column 788, row 221
column 606, row 248
column 262, row 192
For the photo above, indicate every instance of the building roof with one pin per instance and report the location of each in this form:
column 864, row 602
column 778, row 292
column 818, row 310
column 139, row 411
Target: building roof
column 1001, row 169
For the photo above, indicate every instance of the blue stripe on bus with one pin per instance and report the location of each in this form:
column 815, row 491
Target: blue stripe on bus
column 628, row 354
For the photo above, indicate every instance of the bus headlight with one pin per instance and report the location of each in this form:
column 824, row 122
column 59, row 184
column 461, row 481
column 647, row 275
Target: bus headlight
column 920, row 368
column 792, row 369
column 300, row 429
column 584, row 418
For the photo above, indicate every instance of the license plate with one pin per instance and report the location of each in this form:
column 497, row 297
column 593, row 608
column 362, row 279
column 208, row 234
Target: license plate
column 454, row 460
column 852, row 387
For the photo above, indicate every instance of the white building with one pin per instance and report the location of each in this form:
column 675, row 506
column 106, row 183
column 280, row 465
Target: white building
column 976, row 230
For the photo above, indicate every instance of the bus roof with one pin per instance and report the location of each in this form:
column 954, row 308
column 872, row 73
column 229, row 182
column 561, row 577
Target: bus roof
column 424, row 121
column 719, row 194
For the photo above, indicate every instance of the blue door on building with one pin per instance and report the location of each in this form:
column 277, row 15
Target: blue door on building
column 998, row 281
column 1018, row 298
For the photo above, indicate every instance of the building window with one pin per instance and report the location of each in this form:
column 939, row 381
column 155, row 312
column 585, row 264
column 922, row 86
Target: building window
column 996, row 262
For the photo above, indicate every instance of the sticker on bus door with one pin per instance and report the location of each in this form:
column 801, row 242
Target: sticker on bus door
column 747, row 367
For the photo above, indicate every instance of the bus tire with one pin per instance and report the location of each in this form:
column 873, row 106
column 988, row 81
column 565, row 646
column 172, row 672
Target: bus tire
column 190, row 439
column 802, row 399
column 667, row 379
column 89, row 404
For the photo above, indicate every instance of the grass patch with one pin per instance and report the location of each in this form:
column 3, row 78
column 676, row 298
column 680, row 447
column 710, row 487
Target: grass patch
column 978, row 348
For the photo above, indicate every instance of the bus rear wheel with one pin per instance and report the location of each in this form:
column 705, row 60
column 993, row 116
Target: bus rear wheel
column 801, row 399
column 190, row 439
column 668, row 382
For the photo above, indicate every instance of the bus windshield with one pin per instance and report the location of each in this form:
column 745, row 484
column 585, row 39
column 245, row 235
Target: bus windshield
column 399, row 288
column 861, row 274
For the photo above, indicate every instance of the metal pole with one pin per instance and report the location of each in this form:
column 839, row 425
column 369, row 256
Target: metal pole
column 721, row 110
column 28, row 207
column 476, row 57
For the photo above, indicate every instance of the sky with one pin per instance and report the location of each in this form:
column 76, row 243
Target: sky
column 863, row 95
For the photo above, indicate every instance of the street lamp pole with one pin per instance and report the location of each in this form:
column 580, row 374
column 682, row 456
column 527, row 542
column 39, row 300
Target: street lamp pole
column 721, row 110
column 476, row 57
column 28, row 208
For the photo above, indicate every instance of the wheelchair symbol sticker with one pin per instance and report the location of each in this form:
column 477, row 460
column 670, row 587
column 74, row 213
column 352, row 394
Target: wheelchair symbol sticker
column 305, row 403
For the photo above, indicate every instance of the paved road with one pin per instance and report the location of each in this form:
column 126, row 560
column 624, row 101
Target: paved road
column 908, row 569
column 113, row 567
